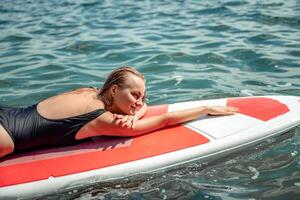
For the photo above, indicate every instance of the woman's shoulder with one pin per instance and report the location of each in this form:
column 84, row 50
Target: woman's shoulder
column 82, row 90
column 70, row 103
column 80, row 94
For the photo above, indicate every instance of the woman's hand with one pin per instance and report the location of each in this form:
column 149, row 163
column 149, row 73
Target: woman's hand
column 221, row 110
column 127, row 121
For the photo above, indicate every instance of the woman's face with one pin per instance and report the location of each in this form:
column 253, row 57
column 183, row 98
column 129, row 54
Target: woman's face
column 128, row 99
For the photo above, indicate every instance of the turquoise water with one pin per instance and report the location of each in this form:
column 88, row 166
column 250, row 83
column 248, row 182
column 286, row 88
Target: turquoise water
column 188, row 50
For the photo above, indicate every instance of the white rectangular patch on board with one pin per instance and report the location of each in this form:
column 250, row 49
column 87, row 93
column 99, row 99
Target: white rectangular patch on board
column 219, row 127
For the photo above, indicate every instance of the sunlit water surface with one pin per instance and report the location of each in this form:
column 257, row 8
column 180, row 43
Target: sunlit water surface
column 188, row 50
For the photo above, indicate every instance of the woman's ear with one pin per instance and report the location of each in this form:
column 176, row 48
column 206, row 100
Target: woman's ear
column 113, row 90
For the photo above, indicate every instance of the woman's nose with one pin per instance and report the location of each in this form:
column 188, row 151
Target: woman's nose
column 139, row 102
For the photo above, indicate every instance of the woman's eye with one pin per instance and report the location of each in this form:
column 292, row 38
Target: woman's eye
column 135, row 96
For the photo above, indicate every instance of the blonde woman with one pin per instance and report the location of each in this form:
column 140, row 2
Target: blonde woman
column 116, row 110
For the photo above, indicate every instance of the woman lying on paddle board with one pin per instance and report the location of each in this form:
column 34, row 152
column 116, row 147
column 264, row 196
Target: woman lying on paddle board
column 114, row 110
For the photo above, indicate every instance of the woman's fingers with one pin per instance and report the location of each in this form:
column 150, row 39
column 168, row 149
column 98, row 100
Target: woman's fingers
column 125, row 121
column 134, row 119
column 118, row 119
column 221, row 110
column 125, row 118
column 233, row 109
column 117, row 116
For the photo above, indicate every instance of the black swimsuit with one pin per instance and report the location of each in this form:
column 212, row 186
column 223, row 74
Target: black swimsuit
column 28, row 128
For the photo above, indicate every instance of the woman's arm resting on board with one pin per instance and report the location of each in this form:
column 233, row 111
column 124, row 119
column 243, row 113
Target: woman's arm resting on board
column 105, row 124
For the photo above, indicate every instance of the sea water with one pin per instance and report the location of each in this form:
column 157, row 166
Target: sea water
column 188, row 50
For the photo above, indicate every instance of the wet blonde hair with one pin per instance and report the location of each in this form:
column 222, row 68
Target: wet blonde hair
column 117, row 77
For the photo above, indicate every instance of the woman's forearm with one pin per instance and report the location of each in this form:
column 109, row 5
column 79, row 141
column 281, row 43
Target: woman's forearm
column 177, row 117
column 182, row 116
column 168, row 119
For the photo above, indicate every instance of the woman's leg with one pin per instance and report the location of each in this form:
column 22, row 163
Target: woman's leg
column 6, row 143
